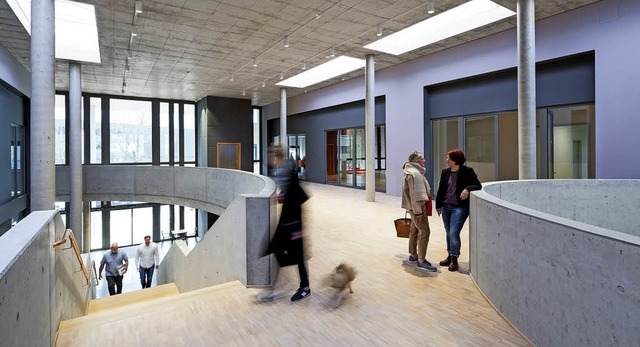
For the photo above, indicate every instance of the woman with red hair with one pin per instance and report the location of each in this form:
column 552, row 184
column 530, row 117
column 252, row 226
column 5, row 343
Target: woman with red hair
column 452, row 202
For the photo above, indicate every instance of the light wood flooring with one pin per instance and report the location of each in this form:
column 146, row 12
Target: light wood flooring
column 393, row 303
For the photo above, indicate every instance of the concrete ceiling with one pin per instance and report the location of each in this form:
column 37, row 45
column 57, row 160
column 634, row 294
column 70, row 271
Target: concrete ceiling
column 186, row 49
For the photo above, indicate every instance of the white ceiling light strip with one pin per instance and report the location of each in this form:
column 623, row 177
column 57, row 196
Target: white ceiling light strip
column 466, row 17
column 76, row 29
column 333, row 68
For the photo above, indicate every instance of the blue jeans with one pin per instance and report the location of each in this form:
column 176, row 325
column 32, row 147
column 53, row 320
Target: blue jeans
column 453, row 218
column 145, row 276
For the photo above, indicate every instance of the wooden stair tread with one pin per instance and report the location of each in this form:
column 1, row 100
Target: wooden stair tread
column 112, row 302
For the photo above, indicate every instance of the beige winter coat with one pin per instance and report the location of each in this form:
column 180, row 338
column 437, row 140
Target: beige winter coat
column 415, row 188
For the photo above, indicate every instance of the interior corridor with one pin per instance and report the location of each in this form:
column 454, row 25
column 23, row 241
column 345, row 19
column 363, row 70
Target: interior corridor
column 393, row 302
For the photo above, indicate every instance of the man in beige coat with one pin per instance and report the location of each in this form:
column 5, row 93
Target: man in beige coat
column 415, row 193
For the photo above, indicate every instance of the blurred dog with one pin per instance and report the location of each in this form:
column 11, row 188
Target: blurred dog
column 341, row 279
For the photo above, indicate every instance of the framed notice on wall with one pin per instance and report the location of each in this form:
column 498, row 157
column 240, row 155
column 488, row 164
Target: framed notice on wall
column 228, row 155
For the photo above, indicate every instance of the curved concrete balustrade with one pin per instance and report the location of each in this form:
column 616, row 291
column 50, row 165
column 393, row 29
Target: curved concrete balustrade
column 230, row 250
column 560, row 258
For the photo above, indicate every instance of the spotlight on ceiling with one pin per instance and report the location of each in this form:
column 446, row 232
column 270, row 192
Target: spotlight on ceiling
column 231, row 78
column 254, row 63
column 244, row 93
column 138, row 6
column 431, row 6
column 286, row 42
column 304, row 65
column 281, row 76
column 264, row 84
column 379, row 33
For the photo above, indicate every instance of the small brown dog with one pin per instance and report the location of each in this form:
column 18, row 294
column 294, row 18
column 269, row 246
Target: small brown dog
column 341, row 279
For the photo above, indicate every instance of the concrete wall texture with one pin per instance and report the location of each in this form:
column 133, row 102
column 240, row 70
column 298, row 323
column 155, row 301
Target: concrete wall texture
column 609, row 28
column 39, row 285
column 559, row 280
column 230, row 249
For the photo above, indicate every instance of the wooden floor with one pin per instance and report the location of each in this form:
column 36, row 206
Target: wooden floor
column 393, row 303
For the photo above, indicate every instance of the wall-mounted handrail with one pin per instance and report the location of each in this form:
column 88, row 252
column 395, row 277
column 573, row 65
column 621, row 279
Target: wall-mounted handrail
column 69, row 234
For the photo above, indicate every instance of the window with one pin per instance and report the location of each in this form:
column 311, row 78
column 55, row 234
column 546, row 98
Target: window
column 17, row 160
column 164, row 132
column 60, row 130
column 95, row 130
column 190, row 133
column 130, row 131
column 256, row 140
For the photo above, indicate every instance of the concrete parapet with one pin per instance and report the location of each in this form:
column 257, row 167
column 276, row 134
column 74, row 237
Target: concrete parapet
column 39, row 286
column 559, row 258
column 230, row 250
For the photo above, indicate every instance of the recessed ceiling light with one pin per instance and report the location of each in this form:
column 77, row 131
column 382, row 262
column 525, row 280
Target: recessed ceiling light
column 323, row 72
column 76, row 34
column 457, row 20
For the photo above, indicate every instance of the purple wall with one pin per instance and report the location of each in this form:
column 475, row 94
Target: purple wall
column 610, row 28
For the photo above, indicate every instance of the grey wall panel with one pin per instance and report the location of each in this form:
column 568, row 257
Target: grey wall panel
column 563, row 81
column 230, row 120
column 11, row 111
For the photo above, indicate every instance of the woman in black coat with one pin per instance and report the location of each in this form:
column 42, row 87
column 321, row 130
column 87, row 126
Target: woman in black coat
column 452, row 202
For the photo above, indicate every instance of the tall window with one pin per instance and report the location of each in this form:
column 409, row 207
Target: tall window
column 190, row 133
column 164, row 132
column 256, row 140
column 130, row 131
column 60, row 135
column 176, row 133
column 17, row 160
column 95, row 130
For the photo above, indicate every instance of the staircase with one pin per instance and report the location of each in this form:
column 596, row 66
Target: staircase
column 156, row 316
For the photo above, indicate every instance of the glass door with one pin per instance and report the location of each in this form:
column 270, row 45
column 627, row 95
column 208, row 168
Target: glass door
column 345, row 157
column 480, row 146
column 571, row 142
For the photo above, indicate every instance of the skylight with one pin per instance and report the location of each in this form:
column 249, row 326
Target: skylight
column 333, row 68
column 76, row 30
column 466, row 17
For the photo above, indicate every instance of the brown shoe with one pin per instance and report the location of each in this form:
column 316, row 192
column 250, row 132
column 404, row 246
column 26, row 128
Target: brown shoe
column 446, row 262
column 454, row 264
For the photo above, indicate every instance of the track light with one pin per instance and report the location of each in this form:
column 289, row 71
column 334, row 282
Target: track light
column 253, row 62
column 138, row 6
column 379, row 33
column 431, row 6
column 286, row 42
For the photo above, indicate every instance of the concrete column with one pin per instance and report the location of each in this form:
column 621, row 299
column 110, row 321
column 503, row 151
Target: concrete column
column 43, row 165
column 526, row 90
column 370, row 129
column 86, row 221
column 283, row 121
column 75, row 152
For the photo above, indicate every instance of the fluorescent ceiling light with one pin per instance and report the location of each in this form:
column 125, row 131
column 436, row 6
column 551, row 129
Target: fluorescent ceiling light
column 457, row 20
column 332, row 68
column 76, row 30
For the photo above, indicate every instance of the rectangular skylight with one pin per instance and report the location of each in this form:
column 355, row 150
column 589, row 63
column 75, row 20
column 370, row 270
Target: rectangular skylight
column 457, row 20
column 333, row 68
column 76, row 29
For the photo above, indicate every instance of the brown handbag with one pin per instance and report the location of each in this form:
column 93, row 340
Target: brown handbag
column 403, row 225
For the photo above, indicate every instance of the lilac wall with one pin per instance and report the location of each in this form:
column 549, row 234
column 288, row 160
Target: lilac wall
column 610, row 28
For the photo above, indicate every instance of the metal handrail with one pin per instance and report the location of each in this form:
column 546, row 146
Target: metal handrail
column 69, row 234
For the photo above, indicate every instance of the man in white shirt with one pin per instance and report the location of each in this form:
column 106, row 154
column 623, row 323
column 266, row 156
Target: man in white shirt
column 147, row 259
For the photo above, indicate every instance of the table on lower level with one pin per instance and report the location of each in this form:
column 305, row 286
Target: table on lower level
column 180, row 234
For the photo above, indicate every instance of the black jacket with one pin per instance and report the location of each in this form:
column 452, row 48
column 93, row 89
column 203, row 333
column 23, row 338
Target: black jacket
column 467, row 178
